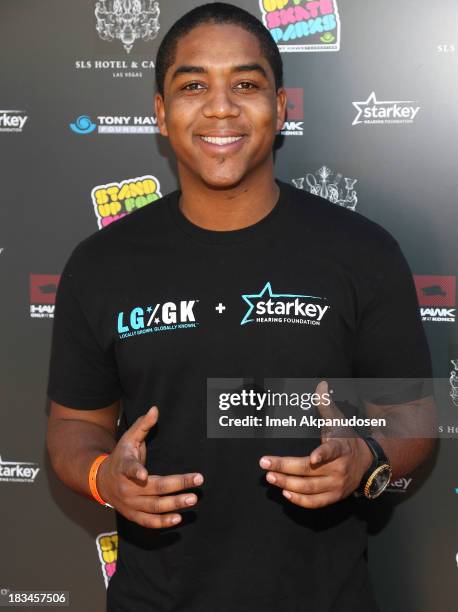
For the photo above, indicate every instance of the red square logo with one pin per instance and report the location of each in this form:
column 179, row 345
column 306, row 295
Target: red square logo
column 436, row 290
column 295, row 104
column 43, row 288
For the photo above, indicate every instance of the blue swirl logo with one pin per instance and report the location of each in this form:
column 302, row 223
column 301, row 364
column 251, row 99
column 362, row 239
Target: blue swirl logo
column 83, row 125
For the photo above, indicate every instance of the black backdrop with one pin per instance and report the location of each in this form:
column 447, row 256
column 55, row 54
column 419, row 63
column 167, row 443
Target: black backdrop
column 372, row 125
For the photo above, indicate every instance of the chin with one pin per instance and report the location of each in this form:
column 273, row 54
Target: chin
column 223, row 181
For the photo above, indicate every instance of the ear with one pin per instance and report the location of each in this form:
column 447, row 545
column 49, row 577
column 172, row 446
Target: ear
column 159, row 107
column 281, row 108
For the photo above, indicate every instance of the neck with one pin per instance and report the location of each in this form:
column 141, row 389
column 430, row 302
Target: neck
column 228, row 209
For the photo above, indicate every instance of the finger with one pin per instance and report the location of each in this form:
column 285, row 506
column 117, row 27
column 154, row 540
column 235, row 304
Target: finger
column 309, row 485
column 162, row 485
column 299, row 466
column 328, row 451
column 138, row 431
column 155, row 521
column 311, row 501
column 133, row 469
column 155, row 504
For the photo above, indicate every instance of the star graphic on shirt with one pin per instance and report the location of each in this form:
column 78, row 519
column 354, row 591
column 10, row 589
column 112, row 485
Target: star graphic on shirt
column 149, row 309
column 156, row 320
column 267, row 289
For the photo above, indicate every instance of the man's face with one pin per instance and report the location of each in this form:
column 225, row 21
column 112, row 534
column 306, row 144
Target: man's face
column 220, row 109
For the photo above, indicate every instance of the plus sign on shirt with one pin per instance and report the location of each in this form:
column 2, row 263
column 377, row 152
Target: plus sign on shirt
column 151, row 306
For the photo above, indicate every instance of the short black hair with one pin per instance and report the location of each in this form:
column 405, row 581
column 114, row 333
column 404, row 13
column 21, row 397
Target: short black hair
column 218, row 13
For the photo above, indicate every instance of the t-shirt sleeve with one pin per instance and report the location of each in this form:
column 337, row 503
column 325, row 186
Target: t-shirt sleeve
column 82, row 374
column 390, row 341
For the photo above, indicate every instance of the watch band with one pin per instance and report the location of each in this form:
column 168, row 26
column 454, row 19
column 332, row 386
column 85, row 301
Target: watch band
column 379, row 464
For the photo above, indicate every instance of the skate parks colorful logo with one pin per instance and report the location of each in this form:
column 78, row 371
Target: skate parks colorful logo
column 302, row 25
column 269, row 307
column 107, row 547
column 166, row 316
column 115, row 200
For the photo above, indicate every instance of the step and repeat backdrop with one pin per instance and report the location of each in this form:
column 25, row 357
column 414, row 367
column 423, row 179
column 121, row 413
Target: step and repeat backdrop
column 372, row 126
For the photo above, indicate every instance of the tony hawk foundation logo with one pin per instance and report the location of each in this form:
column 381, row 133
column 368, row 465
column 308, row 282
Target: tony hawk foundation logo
column 269, row 307
column 167, row 316
column 437, row 297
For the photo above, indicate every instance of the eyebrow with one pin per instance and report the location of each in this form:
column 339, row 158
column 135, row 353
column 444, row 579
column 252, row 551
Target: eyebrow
column 186, row 69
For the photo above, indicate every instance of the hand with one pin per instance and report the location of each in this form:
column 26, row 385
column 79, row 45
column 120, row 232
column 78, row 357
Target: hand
column 330, row 473
column 123, row 481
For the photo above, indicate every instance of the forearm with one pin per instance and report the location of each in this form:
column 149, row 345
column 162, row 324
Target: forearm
column 72, row 446
column 410, row 435
column 406, row 454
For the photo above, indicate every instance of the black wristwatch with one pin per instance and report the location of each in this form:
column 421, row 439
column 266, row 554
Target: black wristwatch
column 377, row 477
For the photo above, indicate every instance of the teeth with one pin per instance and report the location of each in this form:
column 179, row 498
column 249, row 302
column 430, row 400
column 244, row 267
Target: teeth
column 221, row 141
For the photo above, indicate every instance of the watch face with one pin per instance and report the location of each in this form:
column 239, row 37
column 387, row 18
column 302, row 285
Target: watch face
column 378, row 481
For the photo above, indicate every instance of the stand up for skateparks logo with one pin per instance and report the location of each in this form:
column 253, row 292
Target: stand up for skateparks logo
column 115, row 200
column 302, row 25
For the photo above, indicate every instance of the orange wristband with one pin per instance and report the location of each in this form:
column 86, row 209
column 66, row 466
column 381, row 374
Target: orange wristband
column 93, row 479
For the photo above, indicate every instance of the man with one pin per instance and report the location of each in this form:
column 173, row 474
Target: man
column 206, row 523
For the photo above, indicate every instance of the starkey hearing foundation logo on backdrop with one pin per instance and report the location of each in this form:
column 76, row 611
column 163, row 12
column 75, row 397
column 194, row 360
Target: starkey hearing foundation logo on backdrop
column 269, row 307
column 115, row 124
column 377, row 112
column 115, row 200
column 12, row 120
column 18, row 471
column 122, row 28
column 160, row 317
column 107, row 548
column 302, row 25
column 294, row 124
column 43, row 289
column 328, row 184
column 436, row 297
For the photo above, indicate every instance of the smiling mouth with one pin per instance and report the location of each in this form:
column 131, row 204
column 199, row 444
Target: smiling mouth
column 221, row 140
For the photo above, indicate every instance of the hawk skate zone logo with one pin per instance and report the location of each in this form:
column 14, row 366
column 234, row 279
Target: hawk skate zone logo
column 436, row 297
column 302, row 25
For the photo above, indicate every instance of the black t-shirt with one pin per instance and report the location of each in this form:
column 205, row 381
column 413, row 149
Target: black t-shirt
column 139, row 316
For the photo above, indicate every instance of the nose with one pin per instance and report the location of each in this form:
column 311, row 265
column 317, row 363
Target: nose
column 220, row 103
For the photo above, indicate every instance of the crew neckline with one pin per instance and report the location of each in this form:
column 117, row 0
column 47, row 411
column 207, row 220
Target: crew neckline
column 225, row 236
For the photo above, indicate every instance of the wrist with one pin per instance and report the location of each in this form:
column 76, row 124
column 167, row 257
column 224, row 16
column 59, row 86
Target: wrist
column 98, row 480
column 365, row 459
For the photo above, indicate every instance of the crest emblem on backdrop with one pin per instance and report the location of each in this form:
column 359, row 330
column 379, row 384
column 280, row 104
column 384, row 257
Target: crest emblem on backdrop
column 323, row 183
column 127, row 20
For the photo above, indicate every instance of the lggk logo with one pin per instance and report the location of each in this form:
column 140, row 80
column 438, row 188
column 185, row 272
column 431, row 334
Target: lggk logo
column 159, row 317
column 269, row 307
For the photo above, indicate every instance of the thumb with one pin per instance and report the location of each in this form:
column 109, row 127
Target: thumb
column 138, row 431
column 328, row 409
column 132, row 467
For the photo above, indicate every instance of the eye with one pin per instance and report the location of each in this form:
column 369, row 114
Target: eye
column 191, row 86
column 249, row 84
